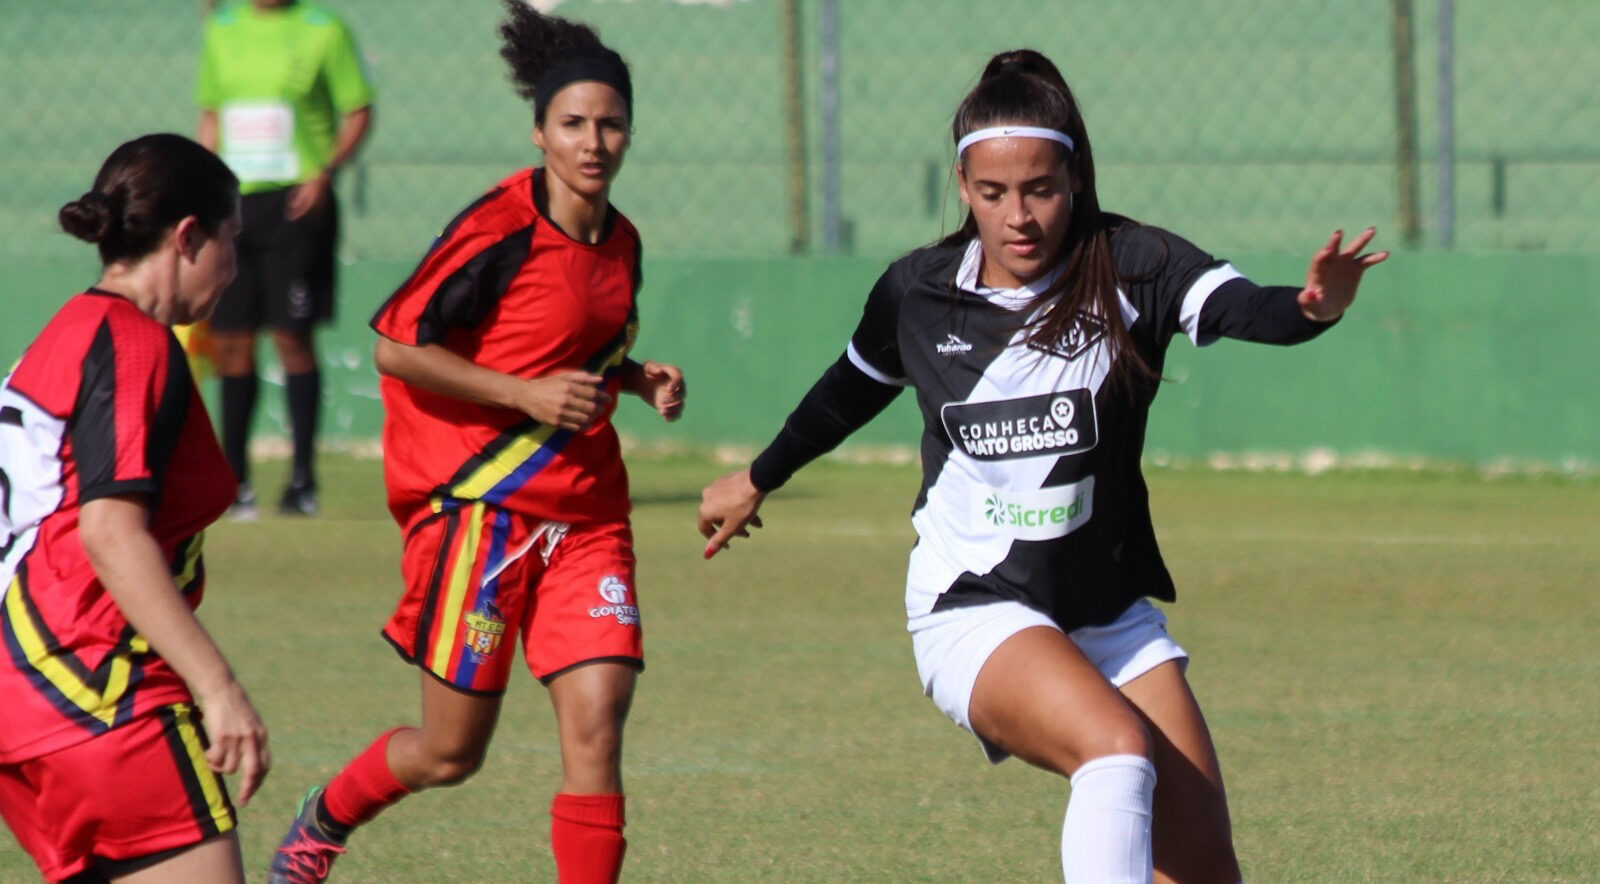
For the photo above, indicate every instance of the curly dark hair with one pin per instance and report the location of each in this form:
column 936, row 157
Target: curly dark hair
column 533, row 44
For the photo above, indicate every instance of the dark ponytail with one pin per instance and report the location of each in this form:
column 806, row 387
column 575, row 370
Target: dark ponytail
column 546, row 53
column 145, row 187
column 1023, row 87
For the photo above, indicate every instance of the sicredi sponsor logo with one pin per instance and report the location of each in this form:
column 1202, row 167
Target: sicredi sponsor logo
column 1051, row 424
column 1043, row 514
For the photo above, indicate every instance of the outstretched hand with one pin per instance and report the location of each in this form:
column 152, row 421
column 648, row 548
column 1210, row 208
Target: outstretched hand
column 1334, row 275
column 727, row 507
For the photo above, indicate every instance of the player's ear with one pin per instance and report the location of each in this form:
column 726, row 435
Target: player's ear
column 961, row 184
column 189, row 236
column 538, row 135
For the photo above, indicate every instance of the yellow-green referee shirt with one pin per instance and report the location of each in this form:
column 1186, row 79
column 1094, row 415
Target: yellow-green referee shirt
column 279, row 80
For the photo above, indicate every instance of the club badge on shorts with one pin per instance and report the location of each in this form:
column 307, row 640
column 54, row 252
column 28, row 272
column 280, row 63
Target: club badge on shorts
column 485, row 627
column 615, row 595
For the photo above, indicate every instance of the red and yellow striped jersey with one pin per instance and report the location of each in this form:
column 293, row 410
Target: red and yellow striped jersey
column 504, row 287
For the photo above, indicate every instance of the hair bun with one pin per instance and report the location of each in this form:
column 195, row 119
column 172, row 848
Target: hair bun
column 91, row 217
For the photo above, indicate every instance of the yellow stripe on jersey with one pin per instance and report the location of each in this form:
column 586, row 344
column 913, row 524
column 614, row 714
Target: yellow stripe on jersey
column 519, row 450
column 494, row 471
column 189, row 568
column 210, row 786
column 457, row 587
column 98, row 704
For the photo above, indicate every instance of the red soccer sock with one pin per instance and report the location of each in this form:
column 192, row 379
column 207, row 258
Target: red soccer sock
column 586, row 837
column 365, row 787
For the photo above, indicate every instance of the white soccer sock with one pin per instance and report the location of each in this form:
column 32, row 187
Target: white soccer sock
column 1105, row 838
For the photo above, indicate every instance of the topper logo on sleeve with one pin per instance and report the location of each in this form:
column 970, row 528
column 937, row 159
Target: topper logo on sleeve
column 1049, row 425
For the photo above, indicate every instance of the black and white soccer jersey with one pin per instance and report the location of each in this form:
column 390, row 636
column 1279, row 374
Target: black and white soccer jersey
column 1031, row 487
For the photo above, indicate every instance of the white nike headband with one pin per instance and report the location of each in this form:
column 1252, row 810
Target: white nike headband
column 972, row 138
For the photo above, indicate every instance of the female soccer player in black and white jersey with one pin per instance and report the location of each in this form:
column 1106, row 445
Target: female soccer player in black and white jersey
column 1034, row 337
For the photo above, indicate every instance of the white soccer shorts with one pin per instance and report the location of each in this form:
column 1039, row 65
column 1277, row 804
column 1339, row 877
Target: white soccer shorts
column 952, row 645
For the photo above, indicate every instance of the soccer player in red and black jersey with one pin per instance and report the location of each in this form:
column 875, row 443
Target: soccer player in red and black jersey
column 109, row 474
column 502, row 357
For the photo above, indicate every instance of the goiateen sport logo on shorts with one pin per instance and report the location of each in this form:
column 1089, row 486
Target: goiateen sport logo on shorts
column 1043, row 514
column 1085, row 333
column 1034, row 426
column 615, row 594
column 485, row 628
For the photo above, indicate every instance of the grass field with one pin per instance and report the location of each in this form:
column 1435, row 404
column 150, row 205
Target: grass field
column 1400, row 670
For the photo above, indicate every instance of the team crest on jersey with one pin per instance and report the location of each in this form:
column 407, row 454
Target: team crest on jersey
column 485, row 628
column 952, row 345
column 1052, row 424
column 614, row 592
column 1085, row 333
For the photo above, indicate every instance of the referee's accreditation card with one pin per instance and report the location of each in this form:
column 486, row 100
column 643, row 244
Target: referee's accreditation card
column 258, row 140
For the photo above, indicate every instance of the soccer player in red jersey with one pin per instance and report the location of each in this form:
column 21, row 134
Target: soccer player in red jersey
column 501, row 359
column 109, row 474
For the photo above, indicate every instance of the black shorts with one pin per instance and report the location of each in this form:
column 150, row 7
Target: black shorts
column 286, row 268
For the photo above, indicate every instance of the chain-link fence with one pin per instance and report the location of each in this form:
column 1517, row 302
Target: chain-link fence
column 769, row 126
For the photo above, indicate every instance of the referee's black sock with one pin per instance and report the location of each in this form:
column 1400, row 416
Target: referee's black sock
column 238, row 407
column 305, row 401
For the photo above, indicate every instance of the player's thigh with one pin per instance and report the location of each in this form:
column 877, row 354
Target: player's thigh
column 456, row 725
column 216, row 860
column 1191, row 833
column 592, row 700
column 1039, row 698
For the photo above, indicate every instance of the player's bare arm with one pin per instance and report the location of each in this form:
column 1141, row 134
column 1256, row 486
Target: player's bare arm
column 566, row 399
column 1334, row 275
column 128, row 561
column 660, row 385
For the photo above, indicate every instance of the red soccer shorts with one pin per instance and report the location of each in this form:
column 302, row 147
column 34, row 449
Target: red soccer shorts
column 476, row 575
column 136, row 790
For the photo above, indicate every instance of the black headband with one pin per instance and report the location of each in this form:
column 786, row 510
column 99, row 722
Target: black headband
column 610, row 71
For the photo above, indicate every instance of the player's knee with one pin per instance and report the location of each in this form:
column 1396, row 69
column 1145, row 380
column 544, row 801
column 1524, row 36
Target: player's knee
column 1129, row 737
column 449, row 767
column 598, row 744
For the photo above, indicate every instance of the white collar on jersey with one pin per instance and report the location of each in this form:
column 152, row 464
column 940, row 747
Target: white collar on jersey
column 1011, row 299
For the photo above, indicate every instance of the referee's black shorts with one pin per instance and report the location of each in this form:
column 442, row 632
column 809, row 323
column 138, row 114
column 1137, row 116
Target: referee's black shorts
column 286, row 268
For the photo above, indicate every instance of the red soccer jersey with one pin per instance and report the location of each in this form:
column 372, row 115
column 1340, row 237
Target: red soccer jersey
column 507, row 289
column 101, row 404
